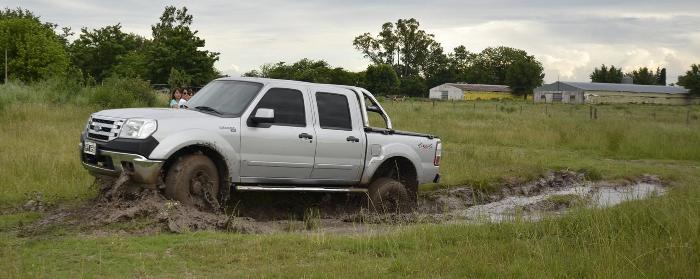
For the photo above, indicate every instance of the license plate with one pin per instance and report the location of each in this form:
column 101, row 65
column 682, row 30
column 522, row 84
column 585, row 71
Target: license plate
column 90, row 148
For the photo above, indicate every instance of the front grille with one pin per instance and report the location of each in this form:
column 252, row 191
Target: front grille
column 104, row 128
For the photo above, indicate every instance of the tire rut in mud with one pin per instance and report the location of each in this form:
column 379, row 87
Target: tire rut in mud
column 121, row 207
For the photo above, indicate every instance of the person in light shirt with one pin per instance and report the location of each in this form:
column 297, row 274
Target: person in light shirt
column 185, row 97
column 175, row 99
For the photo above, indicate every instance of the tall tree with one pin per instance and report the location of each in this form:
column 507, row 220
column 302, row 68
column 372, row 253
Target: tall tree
column 403, row 45
column 439, row 68
column 691, row 80
column 661, row 76
column 176, row 45
column 96, row 52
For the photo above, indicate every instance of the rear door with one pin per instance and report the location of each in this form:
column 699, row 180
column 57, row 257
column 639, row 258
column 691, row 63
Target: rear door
column 281, row 152
column 340, row 143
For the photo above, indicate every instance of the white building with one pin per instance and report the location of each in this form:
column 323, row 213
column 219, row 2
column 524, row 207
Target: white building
column 446, row 92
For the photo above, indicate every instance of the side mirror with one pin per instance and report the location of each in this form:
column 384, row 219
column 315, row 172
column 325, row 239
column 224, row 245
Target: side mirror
column 264, row 115
column 374, row 109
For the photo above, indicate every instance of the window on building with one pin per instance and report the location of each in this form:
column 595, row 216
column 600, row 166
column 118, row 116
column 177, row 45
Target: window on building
column 333, row 111
column 556, row 97
column 444, row 95
column 288, row 105
column 572, row 98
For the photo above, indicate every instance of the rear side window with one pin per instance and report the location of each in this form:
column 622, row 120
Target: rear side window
column 333, row 111
column 288, row 105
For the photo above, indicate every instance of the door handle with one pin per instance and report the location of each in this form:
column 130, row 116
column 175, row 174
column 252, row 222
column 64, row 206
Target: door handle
column 305, row 136
column 353, row 139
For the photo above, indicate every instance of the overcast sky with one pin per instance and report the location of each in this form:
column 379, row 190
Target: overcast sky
column 569, row 37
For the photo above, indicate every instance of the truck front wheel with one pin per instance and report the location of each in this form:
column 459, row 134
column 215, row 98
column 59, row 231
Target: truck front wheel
column 194, row 181
column 389, row 196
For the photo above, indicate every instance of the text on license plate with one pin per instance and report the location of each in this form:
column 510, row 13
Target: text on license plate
column 90, row 148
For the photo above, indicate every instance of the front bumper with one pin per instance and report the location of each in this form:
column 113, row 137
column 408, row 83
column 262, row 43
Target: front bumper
column 112, row 163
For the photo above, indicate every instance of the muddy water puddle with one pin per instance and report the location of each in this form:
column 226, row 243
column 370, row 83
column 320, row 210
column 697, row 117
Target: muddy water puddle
column 554, row 202
column 148, row 212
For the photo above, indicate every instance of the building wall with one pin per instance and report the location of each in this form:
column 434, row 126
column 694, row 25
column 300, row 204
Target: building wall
column 453, row 93
column 485, row 95
column 566, row 97
column 603, row 97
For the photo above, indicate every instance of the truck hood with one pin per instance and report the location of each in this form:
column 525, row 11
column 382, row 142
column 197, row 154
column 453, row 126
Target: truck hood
column 153, row 113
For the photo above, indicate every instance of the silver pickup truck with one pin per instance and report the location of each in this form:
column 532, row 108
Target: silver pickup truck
column 254, row 134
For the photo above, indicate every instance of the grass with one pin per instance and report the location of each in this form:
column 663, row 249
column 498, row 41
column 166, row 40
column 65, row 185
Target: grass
column 484, row 143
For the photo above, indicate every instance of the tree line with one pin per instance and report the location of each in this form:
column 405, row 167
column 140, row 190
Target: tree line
column 404, row 59
column 38, row 50
column 642, row 75
column 646, row 76
column 407, row 60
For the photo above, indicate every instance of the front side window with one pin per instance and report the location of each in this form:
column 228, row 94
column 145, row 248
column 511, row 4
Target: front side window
column 288, row 105
column 333, row 111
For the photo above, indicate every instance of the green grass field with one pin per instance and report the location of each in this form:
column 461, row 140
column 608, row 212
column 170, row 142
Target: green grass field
column 484, row 143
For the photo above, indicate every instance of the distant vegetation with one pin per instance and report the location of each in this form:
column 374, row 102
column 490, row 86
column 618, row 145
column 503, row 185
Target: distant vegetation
column 642, row 75
column 407, row 60
column 36, row 51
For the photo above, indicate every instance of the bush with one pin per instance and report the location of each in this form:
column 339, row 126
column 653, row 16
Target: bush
column 123, row 92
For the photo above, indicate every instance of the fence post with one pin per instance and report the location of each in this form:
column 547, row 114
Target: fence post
column 590, row 112
column 595, row 113
column 521, row 109
column 687, row 117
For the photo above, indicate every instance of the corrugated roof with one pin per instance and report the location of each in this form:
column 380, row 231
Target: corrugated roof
column 480, row 87
column 620, row 87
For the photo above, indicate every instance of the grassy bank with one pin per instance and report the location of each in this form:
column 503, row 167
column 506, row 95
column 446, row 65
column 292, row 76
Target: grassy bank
column 484, row 143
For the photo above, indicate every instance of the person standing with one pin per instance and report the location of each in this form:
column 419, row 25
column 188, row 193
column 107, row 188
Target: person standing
column 175, row 98
column 185, row 98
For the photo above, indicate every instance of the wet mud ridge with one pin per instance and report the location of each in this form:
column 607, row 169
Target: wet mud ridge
column 119, row 208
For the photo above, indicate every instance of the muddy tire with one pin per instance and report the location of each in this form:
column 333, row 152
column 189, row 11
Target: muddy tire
column 389, row 196
column 194, row 181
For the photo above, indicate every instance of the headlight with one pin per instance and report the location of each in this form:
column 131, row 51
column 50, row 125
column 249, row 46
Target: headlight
column 87, row 125
column 138, row 128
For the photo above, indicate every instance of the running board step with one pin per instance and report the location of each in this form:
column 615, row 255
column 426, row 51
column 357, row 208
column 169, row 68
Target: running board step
column 300, row 189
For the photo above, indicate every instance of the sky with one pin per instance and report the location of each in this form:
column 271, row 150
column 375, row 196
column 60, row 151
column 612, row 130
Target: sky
column 570, row 38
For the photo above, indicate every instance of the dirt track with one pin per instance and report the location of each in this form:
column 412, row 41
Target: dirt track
column 121, row 209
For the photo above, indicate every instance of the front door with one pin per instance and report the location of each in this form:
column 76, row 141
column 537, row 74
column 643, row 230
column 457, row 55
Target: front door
column 283, row 151
column 340, row 144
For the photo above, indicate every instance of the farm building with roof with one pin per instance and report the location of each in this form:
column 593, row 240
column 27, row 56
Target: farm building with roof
column 608, row 93
column 466, row 91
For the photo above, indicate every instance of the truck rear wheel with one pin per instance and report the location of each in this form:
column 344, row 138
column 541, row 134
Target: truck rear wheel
column 389, row 196
column 194, row 181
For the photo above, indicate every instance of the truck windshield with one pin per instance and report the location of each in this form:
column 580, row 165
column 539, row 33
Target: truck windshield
column 225, row 97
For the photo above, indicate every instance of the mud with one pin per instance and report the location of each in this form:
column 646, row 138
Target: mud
column 121, row 207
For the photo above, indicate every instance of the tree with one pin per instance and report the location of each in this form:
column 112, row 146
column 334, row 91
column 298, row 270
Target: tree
column 175, row 45
column 381, row 80
column 439, row 68
column 644, row 76
column 661, row 76
column 691, row 80
column 318, row 71
column 605, row 75
column 96, row 52
column 413, row 86
column 403, row 45
column 178, row 79
column 524, row 75
column 34, row 51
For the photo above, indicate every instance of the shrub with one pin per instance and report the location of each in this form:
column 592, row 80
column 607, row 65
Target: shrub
column 123, row 92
